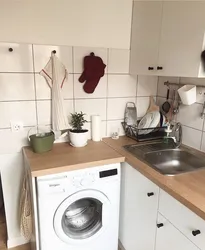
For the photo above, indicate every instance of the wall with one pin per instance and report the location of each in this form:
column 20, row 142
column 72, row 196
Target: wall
column 25, row 96
column 93, row 23
column 188, row 116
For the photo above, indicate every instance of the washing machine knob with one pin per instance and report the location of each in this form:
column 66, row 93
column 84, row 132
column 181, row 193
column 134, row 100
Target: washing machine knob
column 86, row 182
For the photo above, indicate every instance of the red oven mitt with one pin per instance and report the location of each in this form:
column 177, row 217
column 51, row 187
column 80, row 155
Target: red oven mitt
column 94, row 69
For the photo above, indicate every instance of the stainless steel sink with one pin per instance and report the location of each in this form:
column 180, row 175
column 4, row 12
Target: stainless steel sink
column 166, row 159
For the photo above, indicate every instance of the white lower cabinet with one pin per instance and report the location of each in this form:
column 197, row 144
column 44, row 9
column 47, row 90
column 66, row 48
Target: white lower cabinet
column 170, row 238
column 138, row 215
column 151, row 219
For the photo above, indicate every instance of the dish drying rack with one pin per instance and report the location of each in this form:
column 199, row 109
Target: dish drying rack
column 145, row 134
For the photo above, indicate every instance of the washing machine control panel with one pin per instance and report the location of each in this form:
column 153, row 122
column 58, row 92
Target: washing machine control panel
column 84, row 180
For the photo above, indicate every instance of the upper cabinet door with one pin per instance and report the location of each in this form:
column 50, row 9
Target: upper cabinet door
column 16, row 57
column 146, row 26
column 182, row 34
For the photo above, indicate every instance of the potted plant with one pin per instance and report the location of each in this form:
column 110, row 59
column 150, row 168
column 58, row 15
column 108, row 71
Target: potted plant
column 78, row 135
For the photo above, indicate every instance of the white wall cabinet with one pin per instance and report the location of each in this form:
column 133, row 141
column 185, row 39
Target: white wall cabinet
column 146, row 28
column 138, row 215
column 170, row 238
column 167, row 38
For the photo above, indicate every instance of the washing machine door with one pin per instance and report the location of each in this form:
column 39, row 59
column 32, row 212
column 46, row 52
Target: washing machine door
column 82, row 216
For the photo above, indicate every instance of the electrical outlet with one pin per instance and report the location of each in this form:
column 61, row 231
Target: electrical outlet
column 16, row 126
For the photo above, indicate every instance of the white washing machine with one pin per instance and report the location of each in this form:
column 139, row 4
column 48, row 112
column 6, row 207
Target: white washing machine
column 79, row 210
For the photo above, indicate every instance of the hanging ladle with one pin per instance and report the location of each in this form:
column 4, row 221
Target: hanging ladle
column 166, row 105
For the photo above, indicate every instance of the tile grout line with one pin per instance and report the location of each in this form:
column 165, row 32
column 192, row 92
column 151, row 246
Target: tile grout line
column 35, row 90
column 107, row 79
column 136, row 98
column 73, row 79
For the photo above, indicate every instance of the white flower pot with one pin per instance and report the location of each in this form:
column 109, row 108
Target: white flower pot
column 78, row 139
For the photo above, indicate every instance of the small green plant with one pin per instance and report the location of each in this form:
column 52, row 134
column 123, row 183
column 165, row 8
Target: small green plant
column 77, row 121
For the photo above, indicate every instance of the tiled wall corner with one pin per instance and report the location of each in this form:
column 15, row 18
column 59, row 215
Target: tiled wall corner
column 146, row 87
column 188, row 116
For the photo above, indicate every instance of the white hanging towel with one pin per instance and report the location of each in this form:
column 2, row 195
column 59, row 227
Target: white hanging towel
column 56, row 75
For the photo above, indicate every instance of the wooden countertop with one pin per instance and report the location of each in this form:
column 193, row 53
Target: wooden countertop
column 63, row 158
column 188, row 188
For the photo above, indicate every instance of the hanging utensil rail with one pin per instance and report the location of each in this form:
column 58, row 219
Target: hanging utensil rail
column 167, row 83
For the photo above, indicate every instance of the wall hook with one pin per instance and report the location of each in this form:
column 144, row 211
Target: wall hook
column 92, row 54
column 10, row 49
column 54, row 51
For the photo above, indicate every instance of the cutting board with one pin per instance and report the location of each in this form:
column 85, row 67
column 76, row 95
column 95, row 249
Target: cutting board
column 152, row 105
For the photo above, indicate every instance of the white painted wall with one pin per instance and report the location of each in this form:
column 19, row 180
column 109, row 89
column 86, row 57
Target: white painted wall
column 92, row 23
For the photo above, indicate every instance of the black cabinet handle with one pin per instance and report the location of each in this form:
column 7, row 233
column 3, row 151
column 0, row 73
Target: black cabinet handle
column 196, row 232
column 150, row 194
column 10, row 49
column 160, row 225
column 159, row 68
column 150, row 68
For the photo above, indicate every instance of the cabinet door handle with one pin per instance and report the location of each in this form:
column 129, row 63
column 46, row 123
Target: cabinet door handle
column 150, row 68
column 150, row 194
column 160, row 225
column 159, row 68
column 196, row 232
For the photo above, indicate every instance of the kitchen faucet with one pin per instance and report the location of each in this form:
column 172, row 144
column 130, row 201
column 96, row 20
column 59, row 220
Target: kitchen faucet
column 171, row 134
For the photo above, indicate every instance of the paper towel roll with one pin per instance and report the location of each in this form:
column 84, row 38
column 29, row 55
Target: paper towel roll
column 96, row 128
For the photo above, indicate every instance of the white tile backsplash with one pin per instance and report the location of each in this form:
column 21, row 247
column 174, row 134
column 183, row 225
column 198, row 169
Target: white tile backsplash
column 121, row 86
column 42, row 54
column 26, row 97
column 43, row 91
column 16, row 86
column 188, row 116
column 115, row 126
column 147, row 86
column 19, row 60
column 191, row 116
column 100, row 91
column 91, row 107
column 24, row 111
column 103, row 129
column 44, row 111
column 116, row 107
column 13, row 142
column 118, row 61
column 142, row 106
column 81, row 52
column 191, row 137
column 162, row 89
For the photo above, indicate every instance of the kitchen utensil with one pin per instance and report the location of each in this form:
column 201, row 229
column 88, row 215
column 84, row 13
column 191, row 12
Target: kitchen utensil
column 155, row 119
column 187, row 94
column 152, row 105
column 176, row 103
column 166, row 105
column 150, row 120
column 145, row 122
column 130, row 116
column 169, row 115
